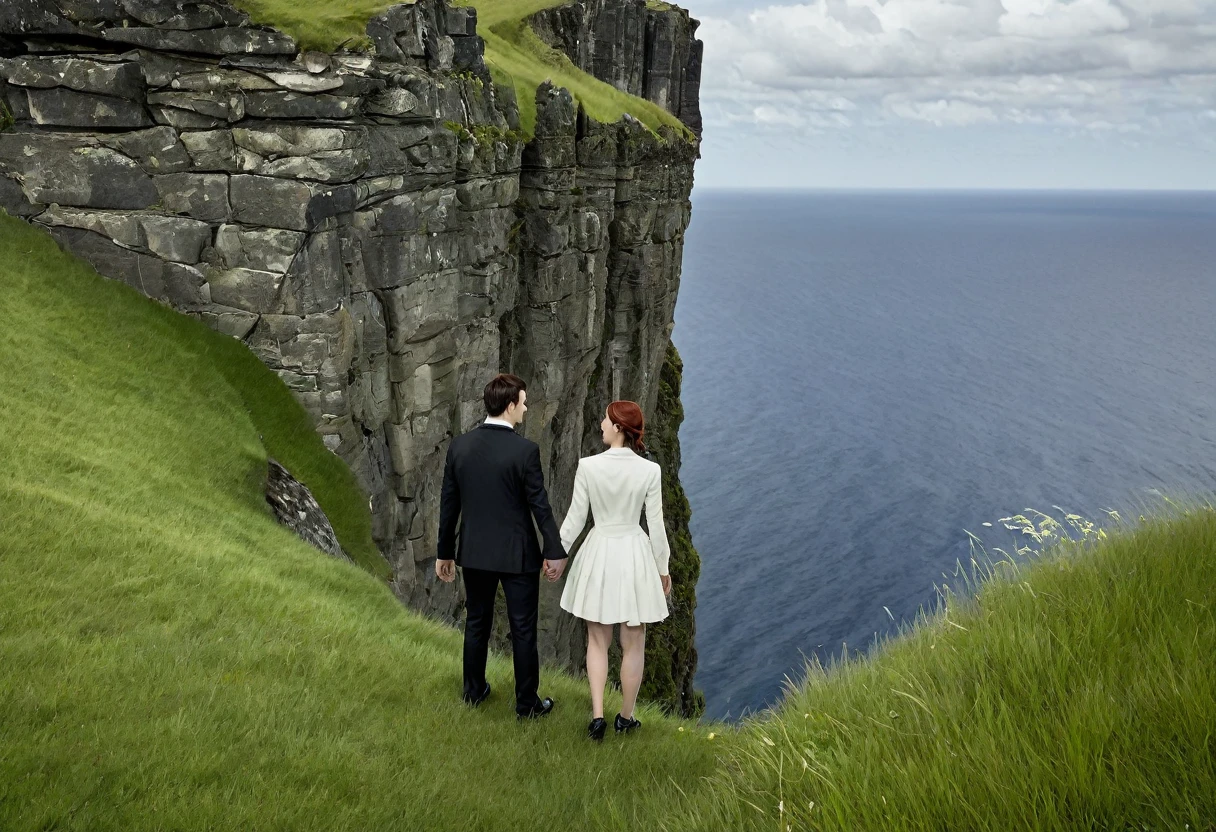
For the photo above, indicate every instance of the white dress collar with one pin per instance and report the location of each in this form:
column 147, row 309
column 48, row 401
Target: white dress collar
column 620, row 451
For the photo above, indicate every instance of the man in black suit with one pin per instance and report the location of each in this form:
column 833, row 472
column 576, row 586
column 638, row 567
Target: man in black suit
column 494, row 485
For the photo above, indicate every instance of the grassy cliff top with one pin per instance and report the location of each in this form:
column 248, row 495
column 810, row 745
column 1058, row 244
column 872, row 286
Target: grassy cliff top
column 170, row 658
column 515, row 56
column 1072, row 692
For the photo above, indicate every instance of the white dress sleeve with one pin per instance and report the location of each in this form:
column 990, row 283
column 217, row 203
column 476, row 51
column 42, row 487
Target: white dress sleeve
column 654, row 521
column 576, row 517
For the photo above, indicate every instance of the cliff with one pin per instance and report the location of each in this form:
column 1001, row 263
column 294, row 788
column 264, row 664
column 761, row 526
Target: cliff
column 378, row 231
column 646, row 48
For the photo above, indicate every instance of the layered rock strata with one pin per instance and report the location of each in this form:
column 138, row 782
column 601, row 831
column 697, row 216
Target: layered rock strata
column 373, row 226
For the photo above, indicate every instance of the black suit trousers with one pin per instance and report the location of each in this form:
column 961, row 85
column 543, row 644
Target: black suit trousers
column 523, row 601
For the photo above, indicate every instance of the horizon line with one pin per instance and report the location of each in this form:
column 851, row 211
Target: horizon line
column 948, row 189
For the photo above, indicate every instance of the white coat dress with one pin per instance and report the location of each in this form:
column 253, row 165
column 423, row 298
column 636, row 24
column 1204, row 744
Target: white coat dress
column 615, row 576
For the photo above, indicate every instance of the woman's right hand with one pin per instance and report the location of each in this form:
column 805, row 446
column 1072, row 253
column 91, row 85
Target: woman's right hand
column 666, row 584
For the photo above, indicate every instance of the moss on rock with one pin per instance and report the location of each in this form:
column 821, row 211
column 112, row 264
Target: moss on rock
column 671, row 653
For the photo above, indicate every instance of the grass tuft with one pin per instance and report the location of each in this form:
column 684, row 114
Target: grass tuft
column 324, row 25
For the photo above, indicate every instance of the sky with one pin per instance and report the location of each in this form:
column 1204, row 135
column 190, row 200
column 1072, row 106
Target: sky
column 1072, row 94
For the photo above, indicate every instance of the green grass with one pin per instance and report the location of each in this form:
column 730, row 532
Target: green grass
column 288, row 435
column 1077, row 692
column 286, row 432
column 173, row 659
column 323, row 25
column 515, row 56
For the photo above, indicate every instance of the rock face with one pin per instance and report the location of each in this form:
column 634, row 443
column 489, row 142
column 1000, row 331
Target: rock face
column 375, row 228
column 646, row 48
column 294, row 507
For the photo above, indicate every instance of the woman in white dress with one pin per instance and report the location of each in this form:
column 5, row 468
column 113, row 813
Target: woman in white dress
column 620, row 575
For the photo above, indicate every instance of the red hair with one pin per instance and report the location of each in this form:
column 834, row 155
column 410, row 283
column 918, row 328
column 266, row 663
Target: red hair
column 628, row 417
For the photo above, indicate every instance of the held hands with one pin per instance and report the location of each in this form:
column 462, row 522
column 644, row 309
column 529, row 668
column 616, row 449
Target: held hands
column 445, row 570
column 666, row 584
column 554, row 569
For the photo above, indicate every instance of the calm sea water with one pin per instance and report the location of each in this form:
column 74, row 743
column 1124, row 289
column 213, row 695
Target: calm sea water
column 867, row 375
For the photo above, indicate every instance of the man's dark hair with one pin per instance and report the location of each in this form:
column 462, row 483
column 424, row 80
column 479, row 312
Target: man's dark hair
column 503, row 390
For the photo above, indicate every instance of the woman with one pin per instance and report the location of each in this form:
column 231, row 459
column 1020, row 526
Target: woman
column 620, row 575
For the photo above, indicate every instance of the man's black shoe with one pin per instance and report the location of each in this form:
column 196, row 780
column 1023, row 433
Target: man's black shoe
column 475, row 701
column 546, row 705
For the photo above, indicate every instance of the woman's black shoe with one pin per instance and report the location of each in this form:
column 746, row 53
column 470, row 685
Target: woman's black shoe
column 595, row 731
column 624, row 726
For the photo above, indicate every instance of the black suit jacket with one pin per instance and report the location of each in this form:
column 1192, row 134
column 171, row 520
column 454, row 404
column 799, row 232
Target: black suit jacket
column 494, row 486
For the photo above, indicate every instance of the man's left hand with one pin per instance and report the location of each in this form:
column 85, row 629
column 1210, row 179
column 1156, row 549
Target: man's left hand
column 445, row 570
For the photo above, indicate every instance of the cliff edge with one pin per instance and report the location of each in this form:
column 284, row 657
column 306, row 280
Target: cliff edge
column 377, row 228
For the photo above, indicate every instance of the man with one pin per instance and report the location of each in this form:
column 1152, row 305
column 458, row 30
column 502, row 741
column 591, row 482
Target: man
column 494, row 485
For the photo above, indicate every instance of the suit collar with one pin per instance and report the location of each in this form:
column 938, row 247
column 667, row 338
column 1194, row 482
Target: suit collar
column 495, row 427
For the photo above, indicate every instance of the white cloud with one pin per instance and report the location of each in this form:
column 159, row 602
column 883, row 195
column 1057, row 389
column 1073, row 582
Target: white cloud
column 766, row 114
column 943, row 112
column 1053, row 19
column 1117, row 66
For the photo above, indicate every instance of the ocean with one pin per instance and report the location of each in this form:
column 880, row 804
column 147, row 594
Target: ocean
column 869, row 376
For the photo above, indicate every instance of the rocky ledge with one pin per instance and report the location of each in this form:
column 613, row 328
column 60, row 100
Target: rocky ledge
column 376, row 229
column 293, row 506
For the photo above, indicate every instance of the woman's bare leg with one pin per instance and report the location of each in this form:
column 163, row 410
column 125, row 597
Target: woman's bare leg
column 633, row 661
column 599, row 636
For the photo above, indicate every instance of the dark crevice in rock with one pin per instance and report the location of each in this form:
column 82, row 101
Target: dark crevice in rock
column 254, row 325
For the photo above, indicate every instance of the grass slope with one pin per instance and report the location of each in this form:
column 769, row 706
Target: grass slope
column 30, row 266
column 170, row 658
column 515, row 55
column 1078, row 692
column 287, row 434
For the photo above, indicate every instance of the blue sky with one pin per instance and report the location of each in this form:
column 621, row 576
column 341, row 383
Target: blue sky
column 959, row 93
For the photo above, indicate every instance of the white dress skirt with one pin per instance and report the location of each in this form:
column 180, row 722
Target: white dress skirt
column 615, row 576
